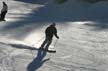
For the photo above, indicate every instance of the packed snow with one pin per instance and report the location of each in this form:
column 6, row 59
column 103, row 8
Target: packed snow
column 82, row 28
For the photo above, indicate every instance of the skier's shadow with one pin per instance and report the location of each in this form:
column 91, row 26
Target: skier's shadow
column 38, row 61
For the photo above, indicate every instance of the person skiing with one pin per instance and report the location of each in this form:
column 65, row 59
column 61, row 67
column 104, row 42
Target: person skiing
column 49, row 32
column 3, row 11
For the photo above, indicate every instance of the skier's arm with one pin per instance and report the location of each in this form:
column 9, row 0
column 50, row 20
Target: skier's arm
column 55, row 33
column 57, row 36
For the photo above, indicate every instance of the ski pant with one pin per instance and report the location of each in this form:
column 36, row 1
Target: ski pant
column 2, row 16
column 46, row 42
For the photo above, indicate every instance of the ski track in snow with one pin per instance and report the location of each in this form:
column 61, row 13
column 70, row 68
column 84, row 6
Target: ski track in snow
column 82, row 45
column 69, row 67
column 7, row 62
column 8, row 59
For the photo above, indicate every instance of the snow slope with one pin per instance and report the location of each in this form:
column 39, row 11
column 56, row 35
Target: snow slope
column 82, row 29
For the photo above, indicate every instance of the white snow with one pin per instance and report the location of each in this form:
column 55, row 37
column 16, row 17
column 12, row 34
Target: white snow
column 82, row 29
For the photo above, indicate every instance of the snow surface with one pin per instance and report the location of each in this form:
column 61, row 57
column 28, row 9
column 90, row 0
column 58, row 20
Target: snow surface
column 82, row 29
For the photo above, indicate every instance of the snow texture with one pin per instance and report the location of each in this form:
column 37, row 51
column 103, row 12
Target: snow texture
column 82, row 29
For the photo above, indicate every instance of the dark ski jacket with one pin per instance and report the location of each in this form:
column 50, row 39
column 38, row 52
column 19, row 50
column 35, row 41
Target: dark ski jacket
column 5, row 7
column 50, row 31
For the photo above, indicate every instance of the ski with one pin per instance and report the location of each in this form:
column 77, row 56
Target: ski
column 21, row 46
column 50, row 51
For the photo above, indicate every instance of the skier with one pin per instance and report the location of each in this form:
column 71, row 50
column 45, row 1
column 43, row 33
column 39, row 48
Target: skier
column 3, row 11
column 49, row 32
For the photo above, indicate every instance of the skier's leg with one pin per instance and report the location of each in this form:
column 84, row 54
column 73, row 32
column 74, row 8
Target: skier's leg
column 3, row 15
column 0, row 16
column 48, row 44
column 43, row 44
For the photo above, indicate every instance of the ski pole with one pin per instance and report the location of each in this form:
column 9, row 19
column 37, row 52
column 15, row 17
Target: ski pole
column 34, row 44
column 55, row 42
column 38, row 41
column 54, row 46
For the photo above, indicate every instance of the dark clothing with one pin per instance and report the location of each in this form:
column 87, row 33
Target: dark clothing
column 2, row 17
column 3, row 12
column 46, row 42
column 49, row 32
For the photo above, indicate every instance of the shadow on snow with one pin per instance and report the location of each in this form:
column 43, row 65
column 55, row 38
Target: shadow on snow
column 43, row 16
column 33, row 1
column 37, row 62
